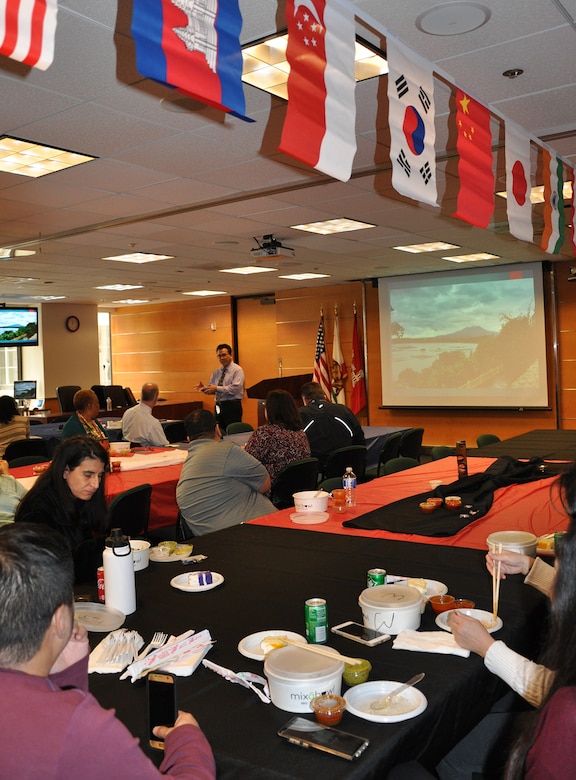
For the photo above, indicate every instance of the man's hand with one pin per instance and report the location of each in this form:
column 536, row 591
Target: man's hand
column 469, row 633
column 184, row 718
column 510, row 563
column 210, row 389
column 199, row 388
column 77, row 648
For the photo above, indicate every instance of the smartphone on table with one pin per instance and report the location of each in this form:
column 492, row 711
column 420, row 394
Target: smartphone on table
column 162, row 705
column 309, row 734
column 359, row 633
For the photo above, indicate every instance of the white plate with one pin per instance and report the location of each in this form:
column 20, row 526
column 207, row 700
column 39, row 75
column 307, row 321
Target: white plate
column 250, row 646
column 181, row 583
column 408, row 704
column 480, row 614
column 309, row 518
column 167, row 558
column 98, row 617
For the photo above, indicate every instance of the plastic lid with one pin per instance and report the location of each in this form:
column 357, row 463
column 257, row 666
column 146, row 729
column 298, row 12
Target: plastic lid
column 392, row 596
column 116, row 538
column 511, row 537
column 297, row 664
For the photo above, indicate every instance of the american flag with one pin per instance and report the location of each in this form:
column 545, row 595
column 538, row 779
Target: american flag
column 321, row 373
column 27, row 31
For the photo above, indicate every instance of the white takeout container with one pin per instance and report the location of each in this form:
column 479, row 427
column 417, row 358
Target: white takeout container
column 140, row 553
column 391, row 608
column 117, row 447
column 516, row 541
column 311, row 501
column 297, row 676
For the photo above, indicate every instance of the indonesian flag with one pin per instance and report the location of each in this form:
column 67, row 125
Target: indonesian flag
column 193, row 45
column 358, row 400
column 411, row 120
column 553, row 172
column 339, row 370
column 27, row 31
column 518, row 202
column 321, row 374
column 319, row 128
column 475, row 202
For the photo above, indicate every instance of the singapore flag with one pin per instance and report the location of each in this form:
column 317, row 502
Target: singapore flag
column 518, row 204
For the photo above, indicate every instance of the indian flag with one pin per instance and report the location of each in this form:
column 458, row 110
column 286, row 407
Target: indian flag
column 553, row 235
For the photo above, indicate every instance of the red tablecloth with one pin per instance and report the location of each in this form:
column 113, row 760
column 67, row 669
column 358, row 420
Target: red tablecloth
column 533, row 507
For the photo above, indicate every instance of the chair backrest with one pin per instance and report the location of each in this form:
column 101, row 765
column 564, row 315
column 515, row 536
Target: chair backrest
column 239, row 427
column 26, row 460
column 175, row 431
column 114, row 392
column 400, row 464
column 411, row 443
column 390, row 449
column 295, row 476
column 65, row 395
column 328, row 485
column 337, row 461
column 130, row 398
column 22, row 448
column 487, row 438
column 442, row 451
column 130, row 510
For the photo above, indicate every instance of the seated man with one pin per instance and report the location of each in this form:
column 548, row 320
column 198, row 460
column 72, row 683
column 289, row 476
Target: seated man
column 328, row 426
column 139, row 424
column 53, row 728
column 220, row 485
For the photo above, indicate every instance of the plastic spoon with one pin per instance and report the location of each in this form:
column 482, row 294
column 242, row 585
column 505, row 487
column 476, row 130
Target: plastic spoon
column 382, row 704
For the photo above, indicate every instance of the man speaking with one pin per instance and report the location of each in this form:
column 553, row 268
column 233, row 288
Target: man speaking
column 227, row 384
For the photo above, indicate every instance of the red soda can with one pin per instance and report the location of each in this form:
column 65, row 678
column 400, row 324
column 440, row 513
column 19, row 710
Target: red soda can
column 100, row 582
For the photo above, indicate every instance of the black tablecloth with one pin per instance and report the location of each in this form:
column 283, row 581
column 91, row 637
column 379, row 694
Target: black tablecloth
column 546, row 444
column 269, row 573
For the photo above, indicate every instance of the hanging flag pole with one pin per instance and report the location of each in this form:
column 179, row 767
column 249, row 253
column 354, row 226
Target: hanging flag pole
column 339, row 370
column 321, row 373
column 358, row 399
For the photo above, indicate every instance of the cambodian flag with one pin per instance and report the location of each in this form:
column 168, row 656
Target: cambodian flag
column 194, row 46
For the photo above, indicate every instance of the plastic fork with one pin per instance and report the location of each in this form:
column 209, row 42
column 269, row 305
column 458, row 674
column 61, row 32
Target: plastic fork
column 158, row 640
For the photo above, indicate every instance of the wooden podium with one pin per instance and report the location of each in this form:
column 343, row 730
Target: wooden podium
column 291, row 384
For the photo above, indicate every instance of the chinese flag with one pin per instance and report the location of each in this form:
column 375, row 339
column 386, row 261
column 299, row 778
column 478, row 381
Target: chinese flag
column 474, row 145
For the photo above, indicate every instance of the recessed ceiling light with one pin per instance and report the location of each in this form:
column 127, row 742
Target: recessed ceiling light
column 537, row 193
column 472, row 258
column 247, row 270
column 48, row 297
column 7, row 253
column 139, row 258
column 329, row 226
column 453, row 18
column 304, row 277
column 265, row 65
column 120, row 287
column 205, row 293
column 27, row 158
column 431, row 246
column 132, row 300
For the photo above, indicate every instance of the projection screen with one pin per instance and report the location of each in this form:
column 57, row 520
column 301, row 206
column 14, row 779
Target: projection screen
column 473, row 338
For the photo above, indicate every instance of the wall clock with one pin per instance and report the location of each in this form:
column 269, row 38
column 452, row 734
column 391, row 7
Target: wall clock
column 72, row 324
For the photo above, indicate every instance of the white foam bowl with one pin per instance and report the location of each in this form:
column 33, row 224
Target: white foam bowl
column 140, row 553
column 311, row 501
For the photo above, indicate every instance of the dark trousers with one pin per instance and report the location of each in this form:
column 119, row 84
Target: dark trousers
column 230, row 411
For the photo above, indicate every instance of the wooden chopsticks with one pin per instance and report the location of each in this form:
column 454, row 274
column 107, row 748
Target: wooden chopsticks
column 496, row 586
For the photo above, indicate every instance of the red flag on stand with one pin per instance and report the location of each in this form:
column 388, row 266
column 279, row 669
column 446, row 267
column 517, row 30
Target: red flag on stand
column 474, row 145
column 358, row 400
column 321, row 373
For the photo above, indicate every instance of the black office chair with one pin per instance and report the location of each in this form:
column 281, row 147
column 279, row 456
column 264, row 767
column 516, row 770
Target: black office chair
column 22, row 448
column 400, row 464
column 390, row 449
column 337, row 461
column 114, row 392
column 130, row 511
column 328, row 485
column 175, row 431
column 442, row 451
column 239, row 427
column 65, row 395
column 487, row 438
column 26, row 460
column 130, row 398
column 295, row 476
column 411, row 443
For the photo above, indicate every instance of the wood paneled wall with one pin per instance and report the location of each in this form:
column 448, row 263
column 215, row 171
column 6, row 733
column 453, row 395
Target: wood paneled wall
column 174, row 344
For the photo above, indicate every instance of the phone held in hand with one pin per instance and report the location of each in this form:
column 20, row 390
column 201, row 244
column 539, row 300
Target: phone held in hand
column 310, row 734
column 162, row 705
column 359, row 633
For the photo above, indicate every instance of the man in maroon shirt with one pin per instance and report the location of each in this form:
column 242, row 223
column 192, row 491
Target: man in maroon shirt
column 50, row 726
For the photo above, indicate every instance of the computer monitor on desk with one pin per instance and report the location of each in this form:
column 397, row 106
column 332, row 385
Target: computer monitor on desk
column 24, row 392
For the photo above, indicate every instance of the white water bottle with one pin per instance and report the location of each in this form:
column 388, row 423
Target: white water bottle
column 119, row 580
column 108, row 404
column 349, row 485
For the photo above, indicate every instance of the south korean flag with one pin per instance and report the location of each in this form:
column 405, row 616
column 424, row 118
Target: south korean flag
column 411, row 121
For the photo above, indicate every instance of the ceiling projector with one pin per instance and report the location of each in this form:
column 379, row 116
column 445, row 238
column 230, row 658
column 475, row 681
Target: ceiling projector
column 270, row 247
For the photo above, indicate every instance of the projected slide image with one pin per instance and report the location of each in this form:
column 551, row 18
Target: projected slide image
column 473, row 339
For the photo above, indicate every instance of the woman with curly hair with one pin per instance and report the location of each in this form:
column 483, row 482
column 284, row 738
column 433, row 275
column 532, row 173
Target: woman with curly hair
column 12, row 425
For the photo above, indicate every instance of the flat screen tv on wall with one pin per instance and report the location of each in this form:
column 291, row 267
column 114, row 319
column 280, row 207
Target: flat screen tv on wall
column 19, row 326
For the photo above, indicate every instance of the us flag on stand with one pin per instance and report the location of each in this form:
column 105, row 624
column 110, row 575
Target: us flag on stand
column 321, row 373
column 27, row 31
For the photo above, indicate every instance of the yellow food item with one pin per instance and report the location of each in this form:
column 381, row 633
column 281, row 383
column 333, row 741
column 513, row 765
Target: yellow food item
column 547, row 543
column 271, row 643
column 418, row 583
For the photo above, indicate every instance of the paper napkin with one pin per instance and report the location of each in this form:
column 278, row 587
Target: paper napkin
column 429, row 642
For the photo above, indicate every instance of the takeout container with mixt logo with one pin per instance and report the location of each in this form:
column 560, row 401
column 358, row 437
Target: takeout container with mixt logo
column 297, row 676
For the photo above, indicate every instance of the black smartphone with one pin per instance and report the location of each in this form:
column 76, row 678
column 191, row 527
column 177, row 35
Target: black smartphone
column 360, row 633
column 310, row 734
column 162, row 705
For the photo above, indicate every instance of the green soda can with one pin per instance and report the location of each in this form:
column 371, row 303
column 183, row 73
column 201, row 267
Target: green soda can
column 375, row 577
column 316, row 613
